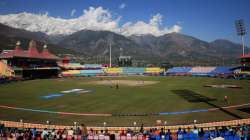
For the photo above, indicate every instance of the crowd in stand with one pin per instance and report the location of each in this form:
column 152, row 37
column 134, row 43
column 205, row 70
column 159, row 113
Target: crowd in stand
column 5, row 80
column 240, row 132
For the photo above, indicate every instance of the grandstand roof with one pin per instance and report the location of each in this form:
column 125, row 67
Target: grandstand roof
column 32, row 52
column 246, row 56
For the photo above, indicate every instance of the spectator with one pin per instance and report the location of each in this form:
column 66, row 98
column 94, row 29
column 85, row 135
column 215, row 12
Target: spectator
column 34, row 132
column 1, row 129
column 117, row 134
column 168, row 135
column 11, row 137
column 53, row 133
column 142, row 128
column 59, row 134
column 4, row 136
column 71, row 132
column 162, row 133
column 245, row 131
column 45, row 133
column 122, row 133
column 20, row 136
column 151, row 134
column 78, row 131
column 179, row 134
column 112, row 137
column 91, row 132
column 101, row 135
column 106, row 133
column 129, row 133
column 84, row 132
column 38, row 136
column 201, row 134
column 227, row 133
column 185, row 135
column 195, row 131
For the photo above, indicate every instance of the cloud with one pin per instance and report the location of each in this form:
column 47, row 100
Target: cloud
column 91, row 19
column 152, row 27
column 98, row 19
column 72, row 13
column 122, row 6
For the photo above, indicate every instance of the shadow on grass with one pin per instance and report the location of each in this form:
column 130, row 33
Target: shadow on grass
column 246, row 110
column 194, row 97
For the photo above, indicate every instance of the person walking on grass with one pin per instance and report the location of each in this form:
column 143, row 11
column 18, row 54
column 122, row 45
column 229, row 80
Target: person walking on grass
column 117, row 86
column 226, row 99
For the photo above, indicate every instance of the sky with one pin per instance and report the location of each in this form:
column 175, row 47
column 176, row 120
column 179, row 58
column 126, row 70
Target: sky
column 205, row 19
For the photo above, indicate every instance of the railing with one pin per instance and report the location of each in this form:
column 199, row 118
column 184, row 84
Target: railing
column 113, row 129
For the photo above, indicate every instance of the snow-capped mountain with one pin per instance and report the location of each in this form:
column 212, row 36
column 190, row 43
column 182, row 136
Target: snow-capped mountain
column 96, row 19
column 45, row 23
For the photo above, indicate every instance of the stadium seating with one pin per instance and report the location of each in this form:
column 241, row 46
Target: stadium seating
column 245, row 72
column 79, row 66
column 92, row 66
column 71, row 66
column 75, row 69
column 178, row 71
column 71, row 73
column 132, row 71
column 113, row 71
column 221, row 71
column 94, row 72
column 70, row 69
column 202, row 71
column 153, row 70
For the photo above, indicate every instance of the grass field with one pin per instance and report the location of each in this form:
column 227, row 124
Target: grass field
column 167, row 94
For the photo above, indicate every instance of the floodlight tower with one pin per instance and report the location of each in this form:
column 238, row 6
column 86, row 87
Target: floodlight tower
column 109, row 41
column 241, row 31
column 110, row 55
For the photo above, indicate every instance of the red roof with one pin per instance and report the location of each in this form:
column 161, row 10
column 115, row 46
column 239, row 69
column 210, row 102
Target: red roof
column 7, row 54
column 18, row 49
column 66, row 58
column 46, row 54
column 32, row 52
column 246, row 56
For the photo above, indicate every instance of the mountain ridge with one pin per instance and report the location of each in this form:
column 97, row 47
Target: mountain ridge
column 93, row 46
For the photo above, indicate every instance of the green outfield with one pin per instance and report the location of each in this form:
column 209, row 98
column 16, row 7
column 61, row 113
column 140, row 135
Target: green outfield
column 139, row 99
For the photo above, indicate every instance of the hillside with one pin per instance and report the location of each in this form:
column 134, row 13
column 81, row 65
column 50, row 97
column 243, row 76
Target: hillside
column 9, row 36
column 93, row 46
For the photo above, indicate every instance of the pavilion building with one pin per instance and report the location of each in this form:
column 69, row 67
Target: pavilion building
column 31, row 63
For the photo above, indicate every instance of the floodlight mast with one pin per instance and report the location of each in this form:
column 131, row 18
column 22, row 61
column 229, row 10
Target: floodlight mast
column 110, row 57
column 109, row 43
column 243, row 45
column 241, row 31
